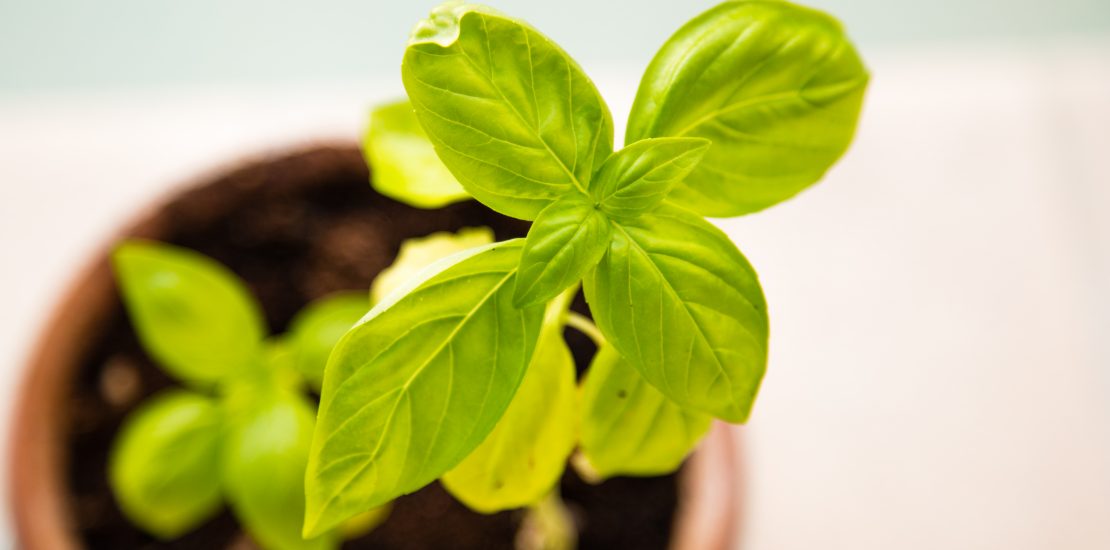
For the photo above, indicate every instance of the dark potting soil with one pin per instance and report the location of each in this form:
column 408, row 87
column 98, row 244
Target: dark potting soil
column 297, row 228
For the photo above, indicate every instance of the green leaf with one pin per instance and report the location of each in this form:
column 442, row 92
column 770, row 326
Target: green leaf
column 193, row 315
column 403, row 163
column 638, row 177
column 318, row 327
column 418, row 253
column 510, row 113
column 164, row 464
column 628, row 426
column 418, row 384
column 567, row 239
column 679, row 302
column 776, row 87
column 263, row 469
column 525, row 454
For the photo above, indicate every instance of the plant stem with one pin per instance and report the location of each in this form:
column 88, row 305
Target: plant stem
column 583, row 324
column 547, row 525
column 559, row 307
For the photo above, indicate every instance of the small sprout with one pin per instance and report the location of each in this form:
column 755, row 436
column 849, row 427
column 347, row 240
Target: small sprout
column 181, row 453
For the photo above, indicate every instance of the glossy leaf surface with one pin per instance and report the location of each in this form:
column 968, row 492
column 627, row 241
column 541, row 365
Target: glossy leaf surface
column 263, row 469
column 566, row 240
column 318, row 327
column 416, row 386
column 525, row 454
column 192, row 314
column 638, row 177
column 510, row 113
column 164, row 467
column 682, row 305
column 776, row 87
column 403, row 163
column 628, row 426
column 418, row 253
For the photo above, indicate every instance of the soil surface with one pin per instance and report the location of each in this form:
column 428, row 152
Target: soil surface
column 295, row 229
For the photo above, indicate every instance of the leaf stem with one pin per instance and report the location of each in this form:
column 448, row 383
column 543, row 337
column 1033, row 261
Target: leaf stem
column 583, row 324
column 559, row 307
column 547, row 525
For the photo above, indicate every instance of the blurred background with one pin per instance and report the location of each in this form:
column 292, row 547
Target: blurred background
column 940, row 304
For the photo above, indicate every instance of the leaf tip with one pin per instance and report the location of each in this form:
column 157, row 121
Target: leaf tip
column 525, row 297
column 314, row 524
column 127, row 251
column 442, row 26
column 737, row 414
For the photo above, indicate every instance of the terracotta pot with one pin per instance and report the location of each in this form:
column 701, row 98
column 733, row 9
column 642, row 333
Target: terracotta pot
column 708, row 503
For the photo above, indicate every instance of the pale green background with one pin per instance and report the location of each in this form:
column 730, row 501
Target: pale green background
column 58, row 45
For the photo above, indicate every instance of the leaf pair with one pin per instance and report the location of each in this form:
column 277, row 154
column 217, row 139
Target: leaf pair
column 569, row 236
column 628, row 426
column 775, row 87
column 181, row 452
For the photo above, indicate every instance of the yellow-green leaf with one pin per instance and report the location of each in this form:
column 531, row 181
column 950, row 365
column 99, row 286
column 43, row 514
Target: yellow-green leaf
column 418, row 384
column 775, row 86
column 638, row 177
column 628, row 426
column 513, row 117
column 566, row 240
column 525, row 454
column 318, row 327
column 263, row 469
column 193, row 315
column 164, row 466
column 420, row 252
column 676, row 298
column 403, row 163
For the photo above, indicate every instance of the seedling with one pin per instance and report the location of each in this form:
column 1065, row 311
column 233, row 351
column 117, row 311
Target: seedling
column 462, row 375
column 242, row 429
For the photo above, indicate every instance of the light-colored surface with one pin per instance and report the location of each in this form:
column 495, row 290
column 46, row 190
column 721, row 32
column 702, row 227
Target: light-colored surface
column 939, row 373
column 127, row 44
column 939, row 304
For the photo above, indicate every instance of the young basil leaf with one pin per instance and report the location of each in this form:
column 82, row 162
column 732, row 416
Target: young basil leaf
column 418, row 253
column 164, row 466
column 510, row 113
column 628, row 426
column 525, row 454
column 263, row 469
column 193, row 315
column 567, row 239
column 403, row 163
column 418, row 384
column 776, row 87
column 679, row 302
column 638, row 177
column 318, row 327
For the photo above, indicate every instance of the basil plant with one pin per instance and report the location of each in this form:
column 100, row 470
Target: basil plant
column 461, row 373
